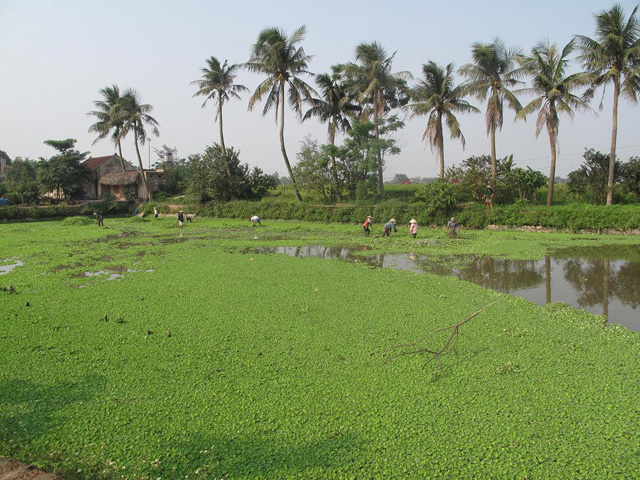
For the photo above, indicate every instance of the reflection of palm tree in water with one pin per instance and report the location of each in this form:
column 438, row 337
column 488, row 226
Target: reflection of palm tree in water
column 586, row 278
column 596, row 281
column 547, row 278
column 502, row 275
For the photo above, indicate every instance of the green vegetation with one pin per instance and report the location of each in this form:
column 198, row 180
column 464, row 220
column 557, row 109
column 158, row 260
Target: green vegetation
column 206, row 362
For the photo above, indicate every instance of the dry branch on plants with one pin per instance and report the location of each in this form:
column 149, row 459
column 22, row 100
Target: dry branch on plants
column 449, row 345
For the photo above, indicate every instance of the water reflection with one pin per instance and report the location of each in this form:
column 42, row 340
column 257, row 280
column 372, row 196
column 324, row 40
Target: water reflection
column 597, row 279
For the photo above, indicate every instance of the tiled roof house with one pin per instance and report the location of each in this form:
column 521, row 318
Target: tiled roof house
column 109, row 178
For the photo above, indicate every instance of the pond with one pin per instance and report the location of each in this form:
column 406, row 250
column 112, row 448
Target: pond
column 601, row 280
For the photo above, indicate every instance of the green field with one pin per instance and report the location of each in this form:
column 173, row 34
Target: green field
column 202, row 361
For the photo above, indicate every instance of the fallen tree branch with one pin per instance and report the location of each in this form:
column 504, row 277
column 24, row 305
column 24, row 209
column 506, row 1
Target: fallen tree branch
column 436, row 354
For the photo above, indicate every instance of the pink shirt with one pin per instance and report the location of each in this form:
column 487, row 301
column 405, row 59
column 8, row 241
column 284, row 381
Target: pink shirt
column 413, row 228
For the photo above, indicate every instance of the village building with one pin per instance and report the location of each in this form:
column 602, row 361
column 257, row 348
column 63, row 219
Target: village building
column 109, row 178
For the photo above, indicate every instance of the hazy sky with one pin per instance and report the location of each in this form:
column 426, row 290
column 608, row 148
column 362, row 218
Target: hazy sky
column 57, row 55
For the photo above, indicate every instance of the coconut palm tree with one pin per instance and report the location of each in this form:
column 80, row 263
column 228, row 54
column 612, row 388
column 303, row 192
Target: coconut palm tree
column 437, row 97
column 491, row 75
column 109, row 118
column 553, row 89
column 335, row 108
column 283, row 61
column 217, row 85
column 136, row 115
column 375, row 85
column 613, row 57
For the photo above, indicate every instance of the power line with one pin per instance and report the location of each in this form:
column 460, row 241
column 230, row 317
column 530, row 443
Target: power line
column 565, row 155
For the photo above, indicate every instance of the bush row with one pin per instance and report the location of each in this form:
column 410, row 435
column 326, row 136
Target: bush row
column 574, row 217
column 13, row 212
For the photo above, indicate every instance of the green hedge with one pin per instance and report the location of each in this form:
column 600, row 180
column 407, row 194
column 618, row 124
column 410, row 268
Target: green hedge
column 13, row 212
column 573, row 217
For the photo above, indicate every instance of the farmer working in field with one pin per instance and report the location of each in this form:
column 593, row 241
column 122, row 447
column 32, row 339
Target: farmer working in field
column 489, row 197
column 453, row 226
column 99, row 218
column 413, row 227
column 367, row 226
column 180, row 219
column 391, row 224
column 255, row 220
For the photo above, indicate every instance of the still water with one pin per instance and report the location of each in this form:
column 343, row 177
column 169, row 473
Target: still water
column 597, row 279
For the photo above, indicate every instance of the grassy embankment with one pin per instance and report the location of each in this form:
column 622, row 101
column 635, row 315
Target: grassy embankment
column 273, row 367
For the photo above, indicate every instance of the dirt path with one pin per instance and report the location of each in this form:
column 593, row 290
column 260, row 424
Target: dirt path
column 13, row 470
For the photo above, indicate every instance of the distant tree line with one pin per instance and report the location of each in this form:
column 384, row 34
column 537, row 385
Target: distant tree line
column 361, row 100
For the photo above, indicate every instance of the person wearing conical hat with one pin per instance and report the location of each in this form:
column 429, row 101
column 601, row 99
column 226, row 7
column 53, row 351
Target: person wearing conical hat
column 413, row 227
column 453, row 227
column 489, row 196
column 180, row 219
column 367, row 225
column 386, row 230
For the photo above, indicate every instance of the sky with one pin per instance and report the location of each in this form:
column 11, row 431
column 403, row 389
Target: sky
column 57, row 55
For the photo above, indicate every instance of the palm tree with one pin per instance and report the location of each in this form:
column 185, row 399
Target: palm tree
column 375, row 84
column 491, row 75
column 279, row 57
column 334, row 107
column 135, row 115
column 217, row 85
column 613, row 57
column 547, row 66
column 109, row 118
column 438, row 97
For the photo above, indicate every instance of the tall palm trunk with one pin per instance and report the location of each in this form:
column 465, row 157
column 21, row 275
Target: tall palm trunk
column 334, row 172
column 145, row 181
column 124, row 169
column 224, row 150
column 552, row 171
column 284, row 151
column 379, row 154
column 614, row 137
column 441, row 145
column 494, row 168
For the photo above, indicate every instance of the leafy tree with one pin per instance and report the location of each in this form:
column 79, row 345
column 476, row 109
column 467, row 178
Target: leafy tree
column 210, row 179
column 358, row 158
column 335, row 108
column 315, row 168
column 590, row 180
column 438, row 98
column 21, row 180
column 217, row 85
column 439, row 196
column 613, row 57
column 630, row 177
column 547, row 66
column 64, row 173
column 136, row 115
column 526, row 181
column 378, row 90
column 109, row 118
column 261, row 183
column 278, row 56
column 176, row 175
column 491, row 75
column 398, row 178
column 475, row 173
